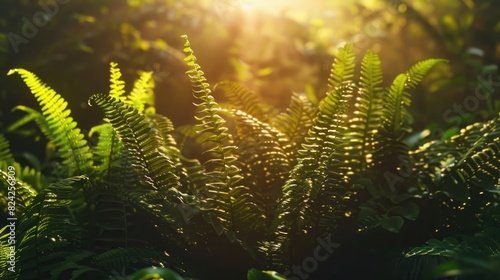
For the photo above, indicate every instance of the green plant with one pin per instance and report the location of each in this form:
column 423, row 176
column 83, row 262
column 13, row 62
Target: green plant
column 128, row 199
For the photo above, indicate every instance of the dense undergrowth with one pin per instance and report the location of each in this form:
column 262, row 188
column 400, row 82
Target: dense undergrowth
column 271, row 190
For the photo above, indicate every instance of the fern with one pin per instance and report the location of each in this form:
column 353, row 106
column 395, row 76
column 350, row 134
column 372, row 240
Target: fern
column 395, row 115
column 15, row 194
column 267, row 188
column 142, row 96
column 107, row 153
column 484, row 242
column 75, row 265
column 342, row 73
column 165, row 130
column 390, row 150
column 146, row 183
column 47, row 229
column 230, row 206
column 62, row 129
column 18, row 185
column 418, row 71
column 309, row 198
column 5, row 153
column 365, row 124
column 263, row 160
column 154, row 169
column 31, row 115
column 244, row 100
column 295, row 122
column 117, row 85
column 469, row 158
column 476, row 256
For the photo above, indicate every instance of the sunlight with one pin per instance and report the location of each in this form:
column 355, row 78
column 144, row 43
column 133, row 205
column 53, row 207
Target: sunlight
column 272, row 7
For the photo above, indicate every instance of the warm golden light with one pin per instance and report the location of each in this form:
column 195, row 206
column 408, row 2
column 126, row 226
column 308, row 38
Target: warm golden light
column 279, row 6
column 275, row 6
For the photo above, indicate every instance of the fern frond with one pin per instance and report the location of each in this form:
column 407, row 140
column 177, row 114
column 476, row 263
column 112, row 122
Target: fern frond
column 146, row 181
column 418, row 71
column 31, row 115
column 342, row 72
column 468, row 159
column 49, row 228
column 77, row 264
column 117, row 85
column 155, row 171
column 107, row 152
column 473, row 257
column 390, row 150
column 395, row 115
column 295, row 122
column 142, row 96
column 367, row 117
column 483, row 242
column 115, row 220
column 165, row 129
column 5, row 153
column 480, row 169
column 231, row 207
column 14, row 193
column 30, row 177
column 16, row 182
column 312, row 188
column 263, row 157
column 62, row 129
column 5, row 273
column 244, row 100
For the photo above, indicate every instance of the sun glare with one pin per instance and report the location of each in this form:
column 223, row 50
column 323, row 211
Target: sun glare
column 275, row 6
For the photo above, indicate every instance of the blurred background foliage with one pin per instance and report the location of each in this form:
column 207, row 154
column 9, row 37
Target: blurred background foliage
column 273, row 47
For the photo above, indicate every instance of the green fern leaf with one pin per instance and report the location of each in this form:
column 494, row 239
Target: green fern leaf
column 75, row 265
column 263, row 157
column 117, row 85
column 142, row 96
column 146, row 179
column 367, row 119
column 107, row 152
column 231, row 208
column 49, row 228
column 391, row 151
column 309, row 193
column 115, row 219
column 244, row 100
column 62, row 129
column 468, row 159
column 418, row 71
column 342, row 72
column 31, row 115
column 395, row 115
column 295, row 122
column 155, row 171
column 483, row 243
column 5, row 153
column 165, row 130
column 14, row 192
